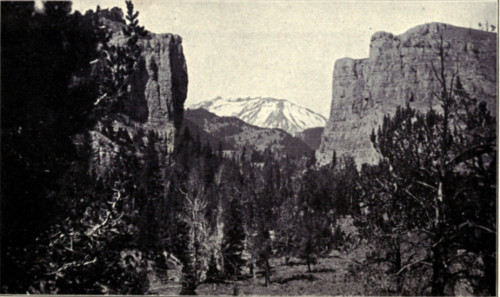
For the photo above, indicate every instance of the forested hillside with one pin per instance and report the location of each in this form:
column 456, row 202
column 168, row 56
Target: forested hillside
column 236, row 135
column 101, row 194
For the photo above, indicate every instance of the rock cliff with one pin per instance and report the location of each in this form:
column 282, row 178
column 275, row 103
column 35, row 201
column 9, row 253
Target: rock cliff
column 399, row 71
column 311, row 137
column 156, row 93
column 158, row 90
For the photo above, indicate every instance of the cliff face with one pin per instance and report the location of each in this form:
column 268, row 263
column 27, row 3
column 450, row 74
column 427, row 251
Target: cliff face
column 159, row 89
column 399, row 71
column 156, row 96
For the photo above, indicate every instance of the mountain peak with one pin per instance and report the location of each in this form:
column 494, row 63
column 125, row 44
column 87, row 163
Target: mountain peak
column 265, row 112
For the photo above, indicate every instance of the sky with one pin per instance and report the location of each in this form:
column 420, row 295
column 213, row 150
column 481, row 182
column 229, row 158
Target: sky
column 284, row 49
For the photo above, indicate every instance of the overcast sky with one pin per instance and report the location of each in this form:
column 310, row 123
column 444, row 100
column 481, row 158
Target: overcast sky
column 284, row 49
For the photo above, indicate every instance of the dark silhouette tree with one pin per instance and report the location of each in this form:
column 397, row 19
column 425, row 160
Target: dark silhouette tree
column 43, row 107
column 117, row 64
column 153, row 192
column 53, row 79
column 234, row 237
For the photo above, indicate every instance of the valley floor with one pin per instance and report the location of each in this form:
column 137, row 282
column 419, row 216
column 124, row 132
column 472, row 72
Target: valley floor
column 330, row 276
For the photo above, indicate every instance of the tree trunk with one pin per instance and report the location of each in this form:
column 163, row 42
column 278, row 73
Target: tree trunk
column 252, row 272
column 438, row 250
column 490, row 272
column 438, row 271
column 308, row 259
column 398, row 266
column 267, row 273
column 222, row 265
column 236, row 289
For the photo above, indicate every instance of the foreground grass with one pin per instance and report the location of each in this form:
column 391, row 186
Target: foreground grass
column 330, row 276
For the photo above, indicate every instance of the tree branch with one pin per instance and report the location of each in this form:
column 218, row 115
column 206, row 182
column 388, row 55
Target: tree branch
column 474, row 151
column 474, row 225
column 423, row 261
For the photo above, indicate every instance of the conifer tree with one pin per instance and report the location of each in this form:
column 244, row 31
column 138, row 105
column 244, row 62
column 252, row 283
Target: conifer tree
column 43, row 108
column 233, row 242
column 118, row 63
column 57, row 85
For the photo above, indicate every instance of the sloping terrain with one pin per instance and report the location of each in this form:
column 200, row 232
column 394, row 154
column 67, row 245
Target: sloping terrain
column 311, row 137
column 237, row 134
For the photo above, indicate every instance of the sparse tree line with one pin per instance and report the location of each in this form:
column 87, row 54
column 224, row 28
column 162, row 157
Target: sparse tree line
column 426, row 212
column 233, row 216
column 487, row 27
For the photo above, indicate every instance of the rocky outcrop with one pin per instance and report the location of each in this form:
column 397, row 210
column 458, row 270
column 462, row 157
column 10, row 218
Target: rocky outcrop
column 399, row 71
column 159, row 89
column 156, row 94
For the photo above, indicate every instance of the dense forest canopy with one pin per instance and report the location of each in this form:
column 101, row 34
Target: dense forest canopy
column 423, row 219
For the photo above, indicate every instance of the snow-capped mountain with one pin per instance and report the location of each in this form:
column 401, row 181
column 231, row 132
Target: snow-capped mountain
column 265, row 112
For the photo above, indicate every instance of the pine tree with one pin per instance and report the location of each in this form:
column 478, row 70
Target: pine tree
column 118, row 63
column 234, row 237
column 50, row 98
column 43, row 108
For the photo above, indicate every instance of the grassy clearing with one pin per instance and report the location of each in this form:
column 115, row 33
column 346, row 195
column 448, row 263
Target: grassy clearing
column 329, row 276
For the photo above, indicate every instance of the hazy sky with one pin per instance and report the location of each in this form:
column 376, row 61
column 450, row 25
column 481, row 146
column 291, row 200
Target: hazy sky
column 284, row 49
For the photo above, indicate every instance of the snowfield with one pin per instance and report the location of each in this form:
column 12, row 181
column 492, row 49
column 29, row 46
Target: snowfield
column 265, row 112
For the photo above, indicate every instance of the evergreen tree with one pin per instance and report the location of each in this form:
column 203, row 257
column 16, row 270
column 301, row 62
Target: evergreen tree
column 384, row 224
column 263, row 220
column 234, row 237
column 49, row 94
column 43, row 108
column 117, row 64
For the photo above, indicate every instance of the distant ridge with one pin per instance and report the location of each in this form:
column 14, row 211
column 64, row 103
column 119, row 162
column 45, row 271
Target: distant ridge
column 234, row 134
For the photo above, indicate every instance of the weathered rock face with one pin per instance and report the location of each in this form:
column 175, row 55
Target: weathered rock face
column 399, row 71
column 156, row 96
column 159, row 89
